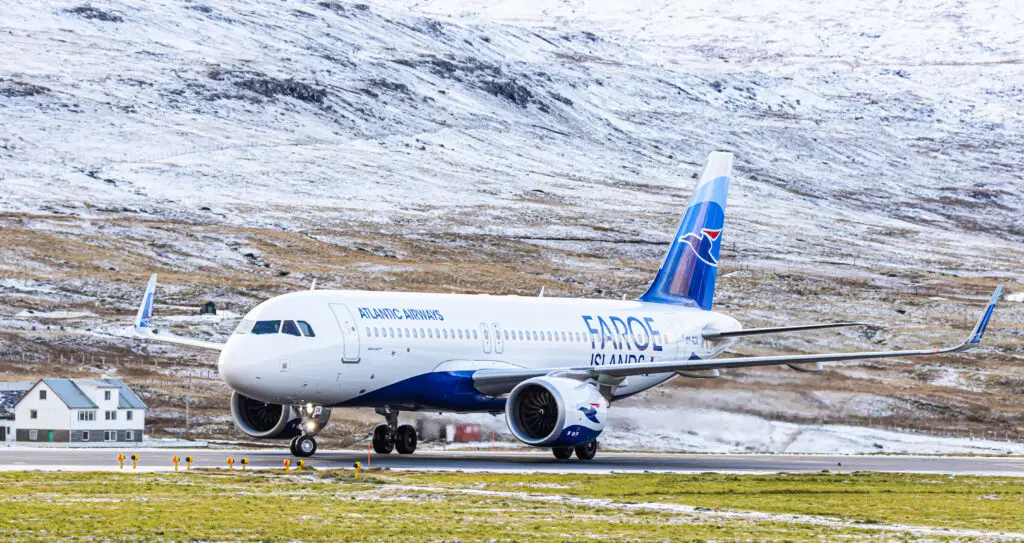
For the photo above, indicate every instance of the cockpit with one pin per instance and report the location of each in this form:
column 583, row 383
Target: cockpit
column 291, row 328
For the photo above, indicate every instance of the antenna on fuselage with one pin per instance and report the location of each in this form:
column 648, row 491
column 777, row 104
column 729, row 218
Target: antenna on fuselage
column 313, row 286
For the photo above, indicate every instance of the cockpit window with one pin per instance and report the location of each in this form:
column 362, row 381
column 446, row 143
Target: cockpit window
column 289, row 328
column 307, row 330
column 244, row 326
column 266, row 327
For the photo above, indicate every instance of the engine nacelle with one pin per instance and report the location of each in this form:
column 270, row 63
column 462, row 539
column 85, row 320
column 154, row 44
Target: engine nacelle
column 555, row 412
column 273, row 421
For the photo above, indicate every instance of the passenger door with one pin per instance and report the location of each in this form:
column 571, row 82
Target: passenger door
column 349, row 333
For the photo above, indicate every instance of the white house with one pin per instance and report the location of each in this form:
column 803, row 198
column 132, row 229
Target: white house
column 78, row 411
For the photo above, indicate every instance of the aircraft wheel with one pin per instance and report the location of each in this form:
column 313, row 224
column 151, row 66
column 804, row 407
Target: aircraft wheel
column 382, row 442
column 405, row 439
column 587, row 450
column 291, row 446
column 562, row 453
column 305, row 446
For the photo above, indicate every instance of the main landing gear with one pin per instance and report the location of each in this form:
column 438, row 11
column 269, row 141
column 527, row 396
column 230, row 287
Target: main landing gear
column 303, row 446
column 585, row 451
column 391, row 436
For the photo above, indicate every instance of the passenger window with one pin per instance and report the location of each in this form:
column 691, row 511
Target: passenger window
column 290, row 329
column 423, row 334
column 244, row 327
column 474, row 334
column 534, row 335
column 460, row 333
column 445, row 333
column 266, row 327
column 563, row 337
column 375, row 332
column 505, row 332
column 391, row 332
column 367, row 331
column 430, row 333
column 307, row 330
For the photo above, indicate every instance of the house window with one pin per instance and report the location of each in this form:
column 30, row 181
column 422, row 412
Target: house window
column 106, row 395
column 42, row 394
column 86, row 415
column 111, row 415
column 33, row 435
column 128, row 414
column 110, row 435
column 85, row 436
column 33, row 414
column 129, row 435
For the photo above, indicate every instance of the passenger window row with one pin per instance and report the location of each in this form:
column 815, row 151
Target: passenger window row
column 471, row 334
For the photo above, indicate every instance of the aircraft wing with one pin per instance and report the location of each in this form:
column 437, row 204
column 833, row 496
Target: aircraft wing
column 712, row 334
column 145, row 315
column 501, row 381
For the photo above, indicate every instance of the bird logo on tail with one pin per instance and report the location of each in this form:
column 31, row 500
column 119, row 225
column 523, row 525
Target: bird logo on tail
column 702, row 244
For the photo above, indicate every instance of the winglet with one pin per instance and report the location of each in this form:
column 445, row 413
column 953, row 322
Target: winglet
column 979, row 329
column 145, row 314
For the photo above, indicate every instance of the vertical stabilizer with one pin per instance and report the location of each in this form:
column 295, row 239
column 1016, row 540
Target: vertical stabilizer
column 687, row 276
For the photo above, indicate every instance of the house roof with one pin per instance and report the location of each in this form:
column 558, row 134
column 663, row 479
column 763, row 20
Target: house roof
column 69, row 392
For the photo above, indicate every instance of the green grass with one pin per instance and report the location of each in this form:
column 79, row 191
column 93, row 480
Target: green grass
column 982, row 503
column 331, row 506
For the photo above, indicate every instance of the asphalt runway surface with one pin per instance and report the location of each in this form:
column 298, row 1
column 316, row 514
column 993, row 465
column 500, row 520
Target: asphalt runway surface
column 152, row 459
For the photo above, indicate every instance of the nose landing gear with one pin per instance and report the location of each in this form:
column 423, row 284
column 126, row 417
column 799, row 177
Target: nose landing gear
column 314, row 418
column 391, row 436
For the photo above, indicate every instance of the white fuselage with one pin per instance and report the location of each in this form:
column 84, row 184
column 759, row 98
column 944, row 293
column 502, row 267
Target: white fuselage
column 418, row 351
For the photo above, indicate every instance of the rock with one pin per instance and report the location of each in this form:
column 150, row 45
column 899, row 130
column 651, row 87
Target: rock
column 18, row 89
column 89, row 12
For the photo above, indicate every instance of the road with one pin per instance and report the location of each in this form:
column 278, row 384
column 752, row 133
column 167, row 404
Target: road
column 23, row 458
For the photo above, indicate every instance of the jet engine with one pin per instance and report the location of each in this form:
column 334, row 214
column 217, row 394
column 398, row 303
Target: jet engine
column 274, row 421
column 555, row 412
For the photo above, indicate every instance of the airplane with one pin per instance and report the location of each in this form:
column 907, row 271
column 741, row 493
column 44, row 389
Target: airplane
column 553, row 366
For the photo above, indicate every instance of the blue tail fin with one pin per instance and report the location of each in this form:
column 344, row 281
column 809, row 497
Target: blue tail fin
column 687, row 277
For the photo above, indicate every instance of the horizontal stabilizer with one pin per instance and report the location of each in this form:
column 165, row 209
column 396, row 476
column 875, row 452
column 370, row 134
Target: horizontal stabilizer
column 712, row 334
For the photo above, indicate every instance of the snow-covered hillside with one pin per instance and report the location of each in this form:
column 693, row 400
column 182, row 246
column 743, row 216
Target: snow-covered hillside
column 243, row 148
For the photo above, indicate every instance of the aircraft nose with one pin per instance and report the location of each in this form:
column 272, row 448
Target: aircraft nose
column 232, row 369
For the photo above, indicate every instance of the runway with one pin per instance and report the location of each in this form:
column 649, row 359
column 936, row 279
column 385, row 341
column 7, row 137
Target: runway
column 24, row 458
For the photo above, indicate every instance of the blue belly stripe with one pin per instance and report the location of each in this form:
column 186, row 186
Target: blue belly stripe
column 441, row 390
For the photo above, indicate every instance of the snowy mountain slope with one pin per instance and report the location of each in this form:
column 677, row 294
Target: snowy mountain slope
column 243, row 148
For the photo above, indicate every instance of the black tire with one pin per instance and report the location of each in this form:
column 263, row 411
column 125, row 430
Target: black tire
column 405, row 439
column 291, row 446
column 382, row 442
column 562, row 453
column 305, row 446
column 587, row 450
